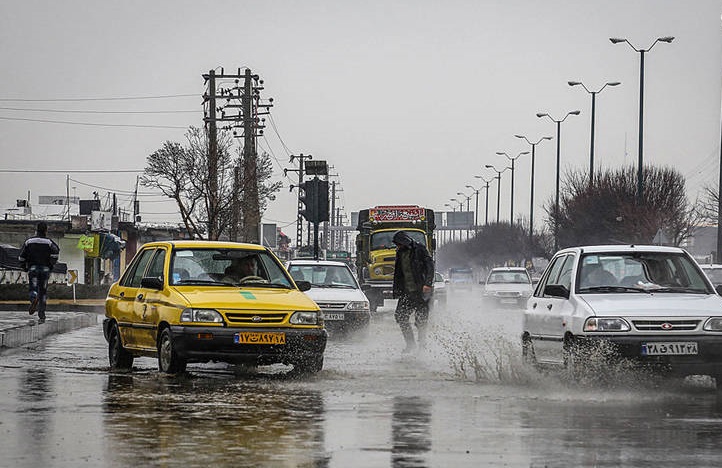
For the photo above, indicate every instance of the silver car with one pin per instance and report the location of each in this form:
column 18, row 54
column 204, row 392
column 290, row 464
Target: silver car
column 650, row 305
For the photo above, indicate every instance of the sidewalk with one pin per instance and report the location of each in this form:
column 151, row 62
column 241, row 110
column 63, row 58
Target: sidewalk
column 18, row 328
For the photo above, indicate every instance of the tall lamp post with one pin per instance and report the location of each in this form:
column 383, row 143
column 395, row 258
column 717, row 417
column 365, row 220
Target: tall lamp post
column 512, row 159
column 486, row 185
column 531, row 205
column 468, row 198
column 498, row 187
column 640, row 163
column 476, row 208
column 556, row 202
column 594, row 100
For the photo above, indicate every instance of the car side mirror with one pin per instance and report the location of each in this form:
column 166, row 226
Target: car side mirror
column 303, row 285
column 556, row 290
column 718, row 288
column 152, row 282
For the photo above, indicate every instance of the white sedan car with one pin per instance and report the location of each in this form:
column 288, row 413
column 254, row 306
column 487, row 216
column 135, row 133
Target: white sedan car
column 651, row 305
column 335, row 289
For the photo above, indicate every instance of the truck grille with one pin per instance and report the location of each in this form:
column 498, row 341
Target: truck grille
column 666, row 325
column 514, row 294
column 331, row 305
column 247, row 318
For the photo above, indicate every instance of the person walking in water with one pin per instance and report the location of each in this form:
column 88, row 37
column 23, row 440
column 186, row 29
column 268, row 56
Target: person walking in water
column 413, row 278
column 38, row 256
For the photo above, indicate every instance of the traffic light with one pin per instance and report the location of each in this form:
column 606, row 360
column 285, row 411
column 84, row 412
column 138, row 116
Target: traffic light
column 315, row 199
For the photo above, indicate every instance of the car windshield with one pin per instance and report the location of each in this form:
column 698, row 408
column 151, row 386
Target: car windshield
column 382, row 240
column 512, row 277
column 324, row 276
column 224, row 267
column 631, row 272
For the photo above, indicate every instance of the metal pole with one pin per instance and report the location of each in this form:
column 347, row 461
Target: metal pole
column 498, row 195
column 531, row 206
column 511, row 215
column 556, row 203
column 476, row 214
column 641, row 128
column 486, row 213
column 591, row 145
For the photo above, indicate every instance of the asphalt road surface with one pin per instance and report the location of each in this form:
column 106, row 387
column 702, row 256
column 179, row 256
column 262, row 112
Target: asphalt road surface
column 467, row 400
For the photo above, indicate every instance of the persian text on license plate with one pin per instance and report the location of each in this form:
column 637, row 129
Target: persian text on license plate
column 259, row 338
column 669, row 348
column 333, row 316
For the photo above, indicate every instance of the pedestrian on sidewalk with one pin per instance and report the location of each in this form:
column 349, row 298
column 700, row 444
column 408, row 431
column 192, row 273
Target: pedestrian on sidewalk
column 38, row 256
column 413, row 277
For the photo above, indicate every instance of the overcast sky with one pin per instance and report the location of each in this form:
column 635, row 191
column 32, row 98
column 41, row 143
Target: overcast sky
column 407, row 100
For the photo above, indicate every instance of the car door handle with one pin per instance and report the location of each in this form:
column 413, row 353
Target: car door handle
column 533, row 306
column 549, row 306
column 122, row 294
column 139, row 296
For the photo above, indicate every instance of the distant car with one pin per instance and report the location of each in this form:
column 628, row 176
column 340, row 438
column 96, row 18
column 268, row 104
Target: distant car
column 439, row 285
column 336, row 291
column 714, row 273
column 649, row 305
column 178, row 302
column 507, row 287
column 461, row 279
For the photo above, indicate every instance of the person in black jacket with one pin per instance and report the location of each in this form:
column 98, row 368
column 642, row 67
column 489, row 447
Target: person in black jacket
column 413, row 279
column 38, row 257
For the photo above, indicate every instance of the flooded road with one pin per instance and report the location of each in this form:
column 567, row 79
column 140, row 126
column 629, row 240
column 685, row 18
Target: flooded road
column 467, row 400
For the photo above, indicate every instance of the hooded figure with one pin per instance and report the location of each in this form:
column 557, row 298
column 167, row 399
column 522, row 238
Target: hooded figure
column 413, row 279
column 38, row 256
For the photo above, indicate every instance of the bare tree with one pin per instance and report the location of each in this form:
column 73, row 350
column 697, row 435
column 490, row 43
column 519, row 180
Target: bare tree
column 606, row 211
column 181, row 173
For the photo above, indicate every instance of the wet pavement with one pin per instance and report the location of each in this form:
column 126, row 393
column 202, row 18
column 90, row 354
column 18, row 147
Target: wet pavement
column 467, row 400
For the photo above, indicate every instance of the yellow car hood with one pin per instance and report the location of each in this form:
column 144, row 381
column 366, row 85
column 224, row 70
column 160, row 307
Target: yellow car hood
column 246, row 298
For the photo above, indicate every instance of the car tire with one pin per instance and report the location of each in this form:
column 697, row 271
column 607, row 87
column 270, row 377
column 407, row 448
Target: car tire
column 309, row 366
column 168, row 360
column 120, row 359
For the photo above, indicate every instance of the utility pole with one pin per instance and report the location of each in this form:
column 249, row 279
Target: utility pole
column 332, row 234
column 247, row 118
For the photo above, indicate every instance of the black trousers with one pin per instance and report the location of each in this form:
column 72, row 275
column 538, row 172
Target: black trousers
column 412, row 303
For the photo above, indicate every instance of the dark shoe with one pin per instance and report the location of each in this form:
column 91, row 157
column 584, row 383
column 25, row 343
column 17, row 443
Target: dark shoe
column 33, row 305
column 41, row 320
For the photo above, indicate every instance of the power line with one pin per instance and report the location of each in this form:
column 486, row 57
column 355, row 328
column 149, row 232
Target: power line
column 65, row 111
column 71, row 171
column 123, row 98
column 90, row 123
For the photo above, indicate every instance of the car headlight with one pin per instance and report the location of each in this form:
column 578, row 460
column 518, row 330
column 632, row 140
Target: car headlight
column 713, row 324
column 305, row 318
column 599, row 324
column 358, row 305
column 201, row 315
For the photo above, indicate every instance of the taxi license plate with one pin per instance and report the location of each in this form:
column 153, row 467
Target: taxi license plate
column 333, row 316
column 262, row 338
column 667, row 348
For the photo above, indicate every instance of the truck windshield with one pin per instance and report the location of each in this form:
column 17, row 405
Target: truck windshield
column 382, row 240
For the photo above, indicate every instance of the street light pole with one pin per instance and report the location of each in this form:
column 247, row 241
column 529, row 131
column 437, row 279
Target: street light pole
column 498, row 187
column 556, row 202
column 486, row 211
column 476, row 209
column 640, row 163
column 594, row 100
column 531, row 206
column 512, row 159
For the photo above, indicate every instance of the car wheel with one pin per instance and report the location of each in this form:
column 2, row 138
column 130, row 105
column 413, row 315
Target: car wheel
column 118, row 356
column 310, row 365
column 168, row 360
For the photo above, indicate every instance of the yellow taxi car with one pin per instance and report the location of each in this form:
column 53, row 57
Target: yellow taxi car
column 200, row 301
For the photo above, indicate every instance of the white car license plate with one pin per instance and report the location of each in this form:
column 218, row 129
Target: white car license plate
column 333, row 316
column 508, row 301
column 669, row 348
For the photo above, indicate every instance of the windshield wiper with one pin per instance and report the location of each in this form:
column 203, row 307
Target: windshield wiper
column 611, row 289
column 341, row 286
column 680, row 290
column 199, row 281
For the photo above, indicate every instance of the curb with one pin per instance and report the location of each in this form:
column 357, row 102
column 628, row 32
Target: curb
column 32, row 332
